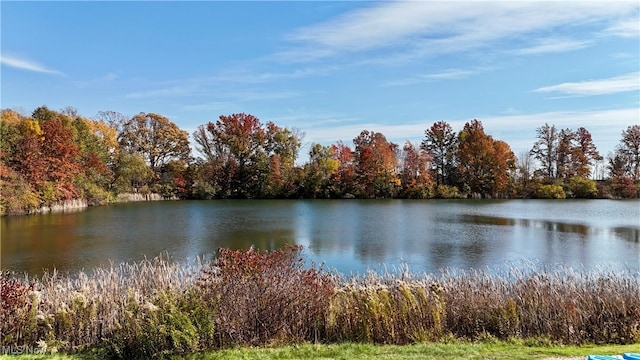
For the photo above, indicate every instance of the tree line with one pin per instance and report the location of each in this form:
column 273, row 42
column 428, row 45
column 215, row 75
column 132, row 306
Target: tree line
column 52, row 156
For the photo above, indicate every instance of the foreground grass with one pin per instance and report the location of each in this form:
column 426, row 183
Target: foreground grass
column 451, row 350
column 253, row 298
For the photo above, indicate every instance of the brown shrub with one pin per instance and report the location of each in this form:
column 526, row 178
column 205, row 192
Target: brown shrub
column 264, row 296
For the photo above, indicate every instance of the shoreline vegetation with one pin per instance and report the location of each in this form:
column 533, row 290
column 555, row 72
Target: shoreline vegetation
column 60, row 159
column 252, row 298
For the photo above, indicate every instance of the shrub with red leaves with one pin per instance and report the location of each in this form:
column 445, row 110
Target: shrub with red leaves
column 15, row 306
column 267, row 296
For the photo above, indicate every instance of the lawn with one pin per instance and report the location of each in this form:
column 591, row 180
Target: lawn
column 442, row 351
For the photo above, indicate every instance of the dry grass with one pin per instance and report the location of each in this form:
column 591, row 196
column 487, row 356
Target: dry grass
column 158, row 307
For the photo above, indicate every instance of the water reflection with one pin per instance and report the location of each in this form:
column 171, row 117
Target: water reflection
column 350, row 236
column 629, row 234
column 548, row 225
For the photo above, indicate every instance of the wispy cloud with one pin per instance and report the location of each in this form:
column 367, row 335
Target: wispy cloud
column 628, row 82
column 448, row 74
column 171, row 91
column 27, row 64
column 552, row 45
column 414, row 29
column 629, row 27
column 110, row 77
column 210, row 106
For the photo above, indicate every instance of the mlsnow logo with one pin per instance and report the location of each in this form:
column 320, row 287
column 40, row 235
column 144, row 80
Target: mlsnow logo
column 22, row 350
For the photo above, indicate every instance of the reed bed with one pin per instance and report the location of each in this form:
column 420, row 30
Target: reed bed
column 157, row 307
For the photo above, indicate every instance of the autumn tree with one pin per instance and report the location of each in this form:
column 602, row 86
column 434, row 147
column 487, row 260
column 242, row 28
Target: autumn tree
column 485, row 164
column 156, row 138
column 441, row 144
column 249, row 159
column 375, row 165
column 282, row 147
column 344, row 177
column 320, row 171
column 503, row 168
column 414, row 174
column 524, row 169
column 564, row 156
column 112, row 118
column 234, row 146
column 545, row 149
column 59, row 153
column 627, row 154
column 16, row 193
column 566, row 153
column 586, row 154
column 94, row 157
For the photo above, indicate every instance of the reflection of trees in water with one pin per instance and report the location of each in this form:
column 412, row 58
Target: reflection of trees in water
column 554, row 226
column 626, row 233
column 39, row 236
column 264, row 240
column 629, row 234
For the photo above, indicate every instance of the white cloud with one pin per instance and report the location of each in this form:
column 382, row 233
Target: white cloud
column 628, row 28
column 628, row 82
column 178, row 90
column 411, row 29
column 448, row 74
column 552, row 45
column 26, row 64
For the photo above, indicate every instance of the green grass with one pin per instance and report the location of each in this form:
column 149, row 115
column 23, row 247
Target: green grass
column 451, row 350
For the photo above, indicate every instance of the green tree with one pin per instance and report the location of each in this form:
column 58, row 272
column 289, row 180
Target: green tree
column 320, row 171
column 156, row 138
column 132, row 174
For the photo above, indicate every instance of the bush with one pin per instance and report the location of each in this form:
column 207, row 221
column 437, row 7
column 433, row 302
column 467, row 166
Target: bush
column 264, row 296
column 582, row 188
column 448, row 192
column 169, row 324
column 549, row 192
column 623, row 187
column 17, row 304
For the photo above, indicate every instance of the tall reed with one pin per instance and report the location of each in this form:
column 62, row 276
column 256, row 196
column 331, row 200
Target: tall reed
column 158, row 307
column 561, row 304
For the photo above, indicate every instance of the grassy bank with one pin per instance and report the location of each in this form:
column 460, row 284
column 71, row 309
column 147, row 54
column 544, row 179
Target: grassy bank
column 443, row 351
column 159, row 308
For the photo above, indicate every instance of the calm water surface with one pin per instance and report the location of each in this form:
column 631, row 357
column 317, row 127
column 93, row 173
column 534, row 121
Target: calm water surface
column 347, row 235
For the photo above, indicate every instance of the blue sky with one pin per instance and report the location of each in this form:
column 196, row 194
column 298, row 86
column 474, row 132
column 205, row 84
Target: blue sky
column 333, row 69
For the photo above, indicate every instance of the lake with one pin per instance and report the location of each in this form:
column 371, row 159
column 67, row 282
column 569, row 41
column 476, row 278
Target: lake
column 351, row 236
